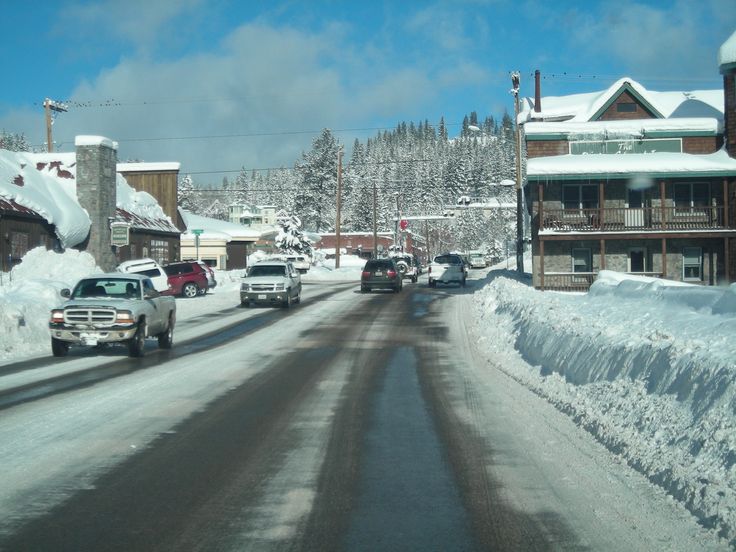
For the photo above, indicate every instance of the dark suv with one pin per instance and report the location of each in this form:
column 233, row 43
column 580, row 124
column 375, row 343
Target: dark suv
column 380, row 274
column 187, row 278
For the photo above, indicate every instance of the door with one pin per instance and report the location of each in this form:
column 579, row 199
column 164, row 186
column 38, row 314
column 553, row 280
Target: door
column 634, row 217
column 637, row 259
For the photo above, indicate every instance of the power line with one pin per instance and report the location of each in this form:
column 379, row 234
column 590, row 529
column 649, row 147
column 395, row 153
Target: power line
column 367, row 164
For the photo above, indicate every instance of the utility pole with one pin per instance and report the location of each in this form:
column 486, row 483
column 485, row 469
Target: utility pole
column 50, row 105
column 515, row 82
column 375, row 230
column 339, row 203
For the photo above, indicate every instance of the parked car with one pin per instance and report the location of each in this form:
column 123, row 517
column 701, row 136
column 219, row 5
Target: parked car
column 407, row 266
column 271, row 282
column 446, row 269
column 477, row 260
column 211, row 281
column 112, row 308
column 380, row 274
column 150, row 268
column 187, row 278
column 301, row 262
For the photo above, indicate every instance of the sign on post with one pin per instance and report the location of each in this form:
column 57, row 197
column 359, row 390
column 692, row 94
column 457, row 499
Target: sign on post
column 119, row 234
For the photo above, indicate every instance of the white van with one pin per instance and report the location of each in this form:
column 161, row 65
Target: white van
column 150, row 268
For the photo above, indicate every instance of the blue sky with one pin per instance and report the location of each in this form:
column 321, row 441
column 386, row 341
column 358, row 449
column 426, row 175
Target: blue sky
column 221, row 84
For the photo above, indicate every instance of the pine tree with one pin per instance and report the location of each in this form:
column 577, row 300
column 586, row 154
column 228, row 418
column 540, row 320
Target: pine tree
column 315, row 200
column 13, row 142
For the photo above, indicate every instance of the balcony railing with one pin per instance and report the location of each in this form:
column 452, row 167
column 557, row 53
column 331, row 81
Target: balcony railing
column 577, row 281
column 615, row 219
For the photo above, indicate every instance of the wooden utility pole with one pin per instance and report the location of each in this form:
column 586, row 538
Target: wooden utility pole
column 375, row 230
column 50, row 105
column 515, row 82
column 339, row 203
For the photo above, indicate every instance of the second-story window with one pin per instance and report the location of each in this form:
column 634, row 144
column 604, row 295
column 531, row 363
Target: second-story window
column 576, row 197
column 691, row 196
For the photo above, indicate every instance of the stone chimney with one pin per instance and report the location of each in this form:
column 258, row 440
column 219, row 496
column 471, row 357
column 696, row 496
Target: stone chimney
column 97, row 193
column 537, row 92
column 727, row 67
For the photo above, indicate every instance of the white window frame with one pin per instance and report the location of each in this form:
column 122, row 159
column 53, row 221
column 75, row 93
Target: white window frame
column 688, row 252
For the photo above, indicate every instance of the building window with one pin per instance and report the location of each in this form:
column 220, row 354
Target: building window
column 19, row 245
column 582, row 259
column 576, row 197
column 692, row 264
column 160, row 251
column 691, row 197
column 626, row 107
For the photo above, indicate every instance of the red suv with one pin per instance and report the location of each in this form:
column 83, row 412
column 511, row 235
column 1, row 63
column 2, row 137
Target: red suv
column 187, row 278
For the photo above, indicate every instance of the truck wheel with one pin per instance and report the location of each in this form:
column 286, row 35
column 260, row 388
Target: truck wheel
column 432, row 283
column 59, row 348
column 245, row 304
column 190, row 290
column 414, row 279
column 166, row 338
column 137, row 344
column 287, row 301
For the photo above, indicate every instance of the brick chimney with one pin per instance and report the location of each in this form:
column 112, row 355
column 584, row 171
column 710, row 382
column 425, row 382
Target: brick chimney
column 97, row 193
column 727, row 67
column 537, row 92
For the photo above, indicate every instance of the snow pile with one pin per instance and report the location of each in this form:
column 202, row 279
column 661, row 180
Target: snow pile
column 646, row 367
column 30, row 291
column 324, row 269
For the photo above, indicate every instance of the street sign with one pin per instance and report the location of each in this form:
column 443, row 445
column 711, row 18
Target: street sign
column 196, row 231
column 119, row 234
column 403, row 224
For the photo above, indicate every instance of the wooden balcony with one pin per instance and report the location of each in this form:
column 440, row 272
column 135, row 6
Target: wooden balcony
column 632, row 219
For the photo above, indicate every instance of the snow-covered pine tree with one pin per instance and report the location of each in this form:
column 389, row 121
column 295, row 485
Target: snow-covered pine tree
column 13, row 142
column 315, row 199
column 291, row 238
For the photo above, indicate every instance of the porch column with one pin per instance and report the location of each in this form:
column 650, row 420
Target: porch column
column 541, row 265
column 601, row 204
column 603, row 254
column 664, row 257
column 662, row 205
column 541, row 207
column 727, row 259
column 725, row 203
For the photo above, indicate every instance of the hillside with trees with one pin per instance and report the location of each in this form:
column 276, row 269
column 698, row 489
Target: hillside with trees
column 416, row 167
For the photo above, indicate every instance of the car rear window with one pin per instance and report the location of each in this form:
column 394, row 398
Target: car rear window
column 373, row 265
column 448, row 259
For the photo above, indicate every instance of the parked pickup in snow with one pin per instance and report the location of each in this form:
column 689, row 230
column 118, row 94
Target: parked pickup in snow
column 271, row 282
column 113, row 308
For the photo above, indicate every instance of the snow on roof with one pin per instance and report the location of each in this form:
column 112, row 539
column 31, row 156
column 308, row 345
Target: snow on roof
column 727, row 52
column 95, row 141
column 45, row 183
column 216, row 229
column 583, row 107
column 624, row 166
column 628, row 128
column 148, row 167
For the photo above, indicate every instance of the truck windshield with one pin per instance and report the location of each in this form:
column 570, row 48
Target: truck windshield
column 106, row 287
column 267, row 271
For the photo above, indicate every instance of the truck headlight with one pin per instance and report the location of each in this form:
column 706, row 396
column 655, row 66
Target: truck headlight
column 57, row 316
column 244, row 287
column 124, row 317
column 279, row 287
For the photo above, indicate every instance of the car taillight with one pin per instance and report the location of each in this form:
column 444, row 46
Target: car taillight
column 391, row 273
column 366, row 274
column 57, row 316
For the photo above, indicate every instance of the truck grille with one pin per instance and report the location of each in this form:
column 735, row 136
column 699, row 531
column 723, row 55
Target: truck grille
column 89, row 316
column 262, row 287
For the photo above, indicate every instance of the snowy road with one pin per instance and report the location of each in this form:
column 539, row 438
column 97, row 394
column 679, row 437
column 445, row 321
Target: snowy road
column 352, row 422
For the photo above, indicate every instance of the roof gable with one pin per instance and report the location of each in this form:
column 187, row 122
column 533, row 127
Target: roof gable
column 625, row 93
